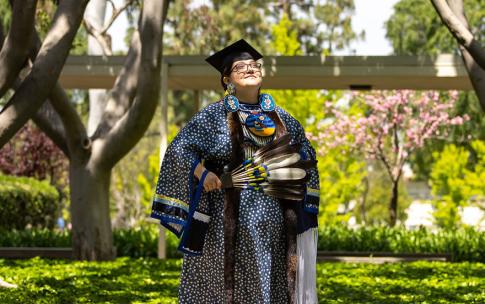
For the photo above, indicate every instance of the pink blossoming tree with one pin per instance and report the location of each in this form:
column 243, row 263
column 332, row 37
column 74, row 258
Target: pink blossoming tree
column 393, row 125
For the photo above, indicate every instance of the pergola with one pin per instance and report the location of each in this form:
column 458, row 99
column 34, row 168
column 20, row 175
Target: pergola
column 445, row 72
column 283, row 72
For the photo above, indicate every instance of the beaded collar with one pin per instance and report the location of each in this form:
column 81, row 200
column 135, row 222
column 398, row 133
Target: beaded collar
column 249, row 107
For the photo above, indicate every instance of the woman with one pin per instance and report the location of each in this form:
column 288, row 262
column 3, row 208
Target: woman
column 240, row 245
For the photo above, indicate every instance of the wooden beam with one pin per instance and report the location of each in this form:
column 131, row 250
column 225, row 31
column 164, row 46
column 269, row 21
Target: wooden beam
column 31, row 252
column 443, row 72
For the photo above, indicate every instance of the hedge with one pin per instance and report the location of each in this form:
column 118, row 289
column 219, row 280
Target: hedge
column 465, row 244
column 135, row 242
column 26, row 202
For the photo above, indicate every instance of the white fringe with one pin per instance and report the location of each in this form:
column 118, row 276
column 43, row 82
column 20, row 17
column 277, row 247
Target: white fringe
column 306, row 272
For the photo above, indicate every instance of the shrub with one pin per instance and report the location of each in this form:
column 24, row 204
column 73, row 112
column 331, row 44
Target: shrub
column 135, row 242
column 35, row 238
column 464, row 244
column 27, row 201
column 143, row 242
column 455, row 182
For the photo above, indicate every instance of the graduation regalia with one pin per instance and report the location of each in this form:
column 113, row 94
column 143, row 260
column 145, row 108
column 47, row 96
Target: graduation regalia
column 239, row 245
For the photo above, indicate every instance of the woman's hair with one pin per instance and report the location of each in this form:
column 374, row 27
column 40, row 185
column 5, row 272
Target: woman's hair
column 229, row 60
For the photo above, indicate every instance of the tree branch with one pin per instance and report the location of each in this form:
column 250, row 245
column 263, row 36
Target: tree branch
column 461, row 33
column 121, row 96
column 102, row 39
column 75, row 134
column 100, row 34
column 115, row 13
column 382, row 157
column 50, row 123
column 47, row 119
column 130, row 128
column 475, row 73
column 45, row 71
column 17, row 44
column 75, row 130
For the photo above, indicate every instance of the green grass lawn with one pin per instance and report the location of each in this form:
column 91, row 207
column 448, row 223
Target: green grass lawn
column 149, row 280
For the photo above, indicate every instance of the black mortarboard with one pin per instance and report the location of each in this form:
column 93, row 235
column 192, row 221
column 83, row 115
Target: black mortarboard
column 221, row 59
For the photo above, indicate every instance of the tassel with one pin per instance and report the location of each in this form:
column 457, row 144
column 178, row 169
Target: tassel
column 306, row 274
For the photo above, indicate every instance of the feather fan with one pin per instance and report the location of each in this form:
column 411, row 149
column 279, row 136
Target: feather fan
column 276, row 169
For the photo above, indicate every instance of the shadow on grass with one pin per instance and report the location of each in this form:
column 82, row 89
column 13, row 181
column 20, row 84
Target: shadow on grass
column 402, row 283
column 150, row 280
column 120, row 281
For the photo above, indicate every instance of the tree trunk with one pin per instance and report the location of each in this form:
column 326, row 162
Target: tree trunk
column 393, row 204
column 91, row 226
column 453, row 17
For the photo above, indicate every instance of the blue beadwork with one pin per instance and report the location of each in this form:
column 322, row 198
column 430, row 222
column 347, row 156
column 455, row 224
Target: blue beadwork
column 260, row 124
column 231, row 103
column 266, row 102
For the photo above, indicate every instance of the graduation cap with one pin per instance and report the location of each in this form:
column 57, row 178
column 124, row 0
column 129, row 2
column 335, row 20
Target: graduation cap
column 239, row 50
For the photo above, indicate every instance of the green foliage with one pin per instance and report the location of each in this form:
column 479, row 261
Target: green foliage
column 459, row 135
column 417, row 282
column 340, row 173
column 133, row 242
column 416, row 29
column 341, row 178
column 35, row 238
column 377, row 197
column 455, row 183
column 143, row 242
column 201, row 29
column 136, row 242
column 285, row 39
column 123, row 280
column 337, row 32
column 153, row 281
column 464, row 244
column 133, row 180
column 43, row 21
column 6, row 13
column 148, row 182
column 27, row 201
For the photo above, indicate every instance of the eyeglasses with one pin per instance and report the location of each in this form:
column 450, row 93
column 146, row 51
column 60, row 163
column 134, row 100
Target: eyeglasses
column 244, row 67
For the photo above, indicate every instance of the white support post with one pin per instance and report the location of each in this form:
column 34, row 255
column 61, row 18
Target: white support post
column 162, row 252
column 197, row 99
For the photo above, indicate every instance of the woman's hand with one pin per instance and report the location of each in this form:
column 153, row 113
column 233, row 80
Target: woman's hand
column 211, row 181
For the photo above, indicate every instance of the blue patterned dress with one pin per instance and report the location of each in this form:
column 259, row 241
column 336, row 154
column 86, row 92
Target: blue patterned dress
column 260, row 261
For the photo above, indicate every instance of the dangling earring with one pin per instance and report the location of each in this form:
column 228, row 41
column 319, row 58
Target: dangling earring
column 266, row 102
column 231, row 88
column 230, row 101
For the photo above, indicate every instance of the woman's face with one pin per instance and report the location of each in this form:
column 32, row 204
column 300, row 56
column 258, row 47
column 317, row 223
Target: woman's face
column 245, row 74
